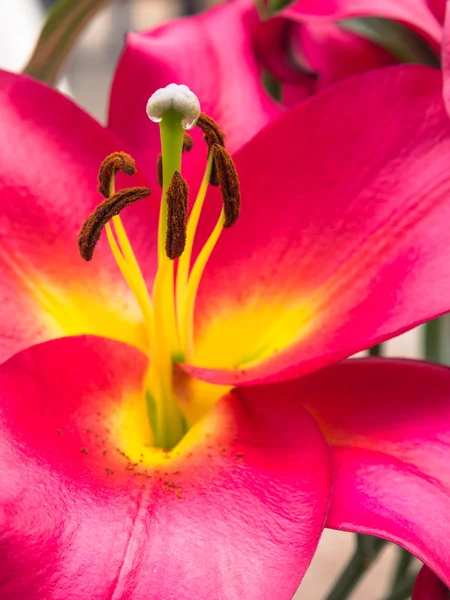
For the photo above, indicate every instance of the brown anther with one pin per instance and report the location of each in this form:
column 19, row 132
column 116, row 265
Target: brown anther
column 211, row 130
column 92, row 227
column 212, row 135
column 159, row 171
column 177, row 202
column 229, row 184
column 188, row 144
column 117, row 161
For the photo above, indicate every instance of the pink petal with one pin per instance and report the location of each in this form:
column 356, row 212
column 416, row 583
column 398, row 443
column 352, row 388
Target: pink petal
column 310, row 56
column 437, row 7
column 414, row 14
column 334, row 53
column 305, row 33
column 429, row 587
column 88, row 510
column 388, row 423
column 213, row 55
column 343, row 239
column 48, row 179
column 446, row 60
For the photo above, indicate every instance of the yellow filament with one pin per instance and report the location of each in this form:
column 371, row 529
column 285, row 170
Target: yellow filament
column 161, row 368
column 129, row 267
column 184, row 261
column 187, row 323
column 126, row 248
column 160, row 291
column 134, row 283
column 133, row 276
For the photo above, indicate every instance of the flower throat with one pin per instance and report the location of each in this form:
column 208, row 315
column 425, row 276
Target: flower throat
column 167, row 309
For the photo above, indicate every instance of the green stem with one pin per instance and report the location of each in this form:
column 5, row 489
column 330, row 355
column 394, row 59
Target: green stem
column 432, row 340
column 404, row 590
column 436, row 336
column 64, row 23
column 404, row 561
column 367, row 550
column 376, row 350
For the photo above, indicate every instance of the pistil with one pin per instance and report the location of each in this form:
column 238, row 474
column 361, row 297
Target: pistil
column 168, row 311
column 171, row 425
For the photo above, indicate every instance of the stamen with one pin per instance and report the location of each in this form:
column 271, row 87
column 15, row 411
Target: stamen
column 220, row 171
column 212, row 135
column 92, row 227
column 177, row 201
column 212, row 132
column 159, row 170
column 229, row 184
column 188, row 144
column 117, row 161
column 185, row 259
column 187, row 330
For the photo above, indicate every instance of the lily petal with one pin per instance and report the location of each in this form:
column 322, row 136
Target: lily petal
column 429, row 587
column 333, row 53
column 446, row 59
column 437, row 7
column 89, row 510
column 196, row 51
column 413, row 14
column 48, row 180
column 307, row 36
column 343, row 238
column 308, row 57
column 387, row 422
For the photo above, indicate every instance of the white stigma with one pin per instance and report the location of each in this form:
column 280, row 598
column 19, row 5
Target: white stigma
column 178, row 97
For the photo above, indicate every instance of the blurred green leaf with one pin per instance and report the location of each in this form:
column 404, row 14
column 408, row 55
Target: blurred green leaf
column 436, row 347
column 271, row 85
column 65, row 21
column 405, row 45
column 276, row 5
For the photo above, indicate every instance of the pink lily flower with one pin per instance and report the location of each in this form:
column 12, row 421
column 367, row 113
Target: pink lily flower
column 429, row 587
column 321, row 52
column 341, row 244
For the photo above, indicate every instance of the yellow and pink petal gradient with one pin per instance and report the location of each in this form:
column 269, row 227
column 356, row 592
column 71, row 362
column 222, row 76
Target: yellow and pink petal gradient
column 89, row 510
column 343, row 242
column 338, row 247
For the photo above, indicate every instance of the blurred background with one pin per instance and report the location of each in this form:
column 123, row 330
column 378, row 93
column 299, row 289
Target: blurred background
column 91, row 64
column 87, row 78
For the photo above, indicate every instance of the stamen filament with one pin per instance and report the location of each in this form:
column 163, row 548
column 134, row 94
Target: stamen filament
column 129, row 267
column 120, row 260
column 159, row 376
column 126, row 248
column 187, row 327
column 184, row 261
